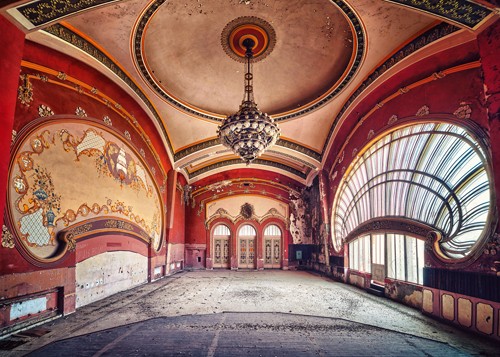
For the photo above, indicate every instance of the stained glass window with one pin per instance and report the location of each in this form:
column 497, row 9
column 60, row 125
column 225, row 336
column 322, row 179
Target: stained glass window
column 433, row 173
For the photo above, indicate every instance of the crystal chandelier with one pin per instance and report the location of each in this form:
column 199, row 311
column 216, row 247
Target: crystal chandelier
column 248, row 132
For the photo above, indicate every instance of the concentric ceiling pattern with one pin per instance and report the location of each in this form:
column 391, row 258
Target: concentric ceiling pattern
column 317, row 48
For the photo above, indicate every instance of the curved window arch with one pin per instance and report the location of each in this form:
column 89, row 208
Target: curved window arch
column 247, row 230
column 272, row 230
column 432, row 173
column 222, row 230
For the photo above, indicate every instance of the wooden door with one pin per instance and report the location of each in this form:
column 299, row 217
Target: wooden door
column 247, row 253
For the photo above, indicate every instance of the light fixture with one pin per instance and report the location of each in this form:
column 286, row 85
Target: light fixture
column 248, row 132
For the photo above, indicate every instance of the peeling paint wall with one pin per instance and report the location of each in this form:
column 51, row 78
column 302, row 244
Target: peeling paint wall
column 108, row 273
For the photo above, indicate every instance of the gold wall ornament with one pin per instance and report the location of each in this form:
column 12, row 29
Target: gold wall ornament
column 25, row 91
column 464, row 111
column 45, row 111
column 7, row 238
column 79, row 111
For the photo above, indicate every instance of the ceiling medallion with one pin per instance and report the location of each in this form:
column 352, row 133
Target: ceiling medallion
column 248, row 132
column 241, row 28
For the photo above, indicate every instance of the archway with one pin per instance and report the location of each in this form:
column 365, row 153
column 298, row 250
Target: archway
column 221, row 239
column 272, row 247
column 246, row 247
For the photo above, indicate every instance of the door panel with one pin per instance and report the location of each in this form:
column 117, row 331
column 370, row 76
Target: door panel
column 246, row 253
column 221, row 252
column 272, row 253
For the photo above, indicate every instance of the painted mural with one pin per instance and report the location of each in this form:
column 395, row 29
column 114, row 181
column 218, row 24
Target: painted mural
column 66, row 173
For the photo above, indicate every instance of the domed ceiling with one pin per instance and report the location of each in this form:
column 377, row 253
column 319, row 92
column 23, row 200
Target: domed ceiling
column 179, row 60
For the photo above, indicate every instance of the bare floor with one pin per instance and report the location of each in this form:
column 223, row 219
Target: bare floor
column 227, row 313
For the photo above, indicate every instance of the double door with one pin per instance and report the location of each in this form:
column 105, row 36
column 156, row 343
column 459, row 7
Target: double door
column 272, row 253
column 246, row 258
column 221, row 252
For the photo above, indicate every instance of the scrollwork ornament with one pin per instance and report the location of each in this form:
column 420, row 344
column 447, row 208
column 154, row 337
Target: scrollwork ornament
column 7, row 238
column 25, row 91
column 70, row 238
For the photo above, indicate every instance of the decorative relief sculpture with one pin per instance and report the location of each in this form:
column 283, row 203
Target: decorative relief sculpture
column 25, row 91
column 247, row 211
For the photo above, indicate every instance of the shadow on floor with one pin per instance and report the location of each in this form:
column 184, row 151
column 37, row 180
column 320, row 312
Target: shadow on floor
column 247, row 334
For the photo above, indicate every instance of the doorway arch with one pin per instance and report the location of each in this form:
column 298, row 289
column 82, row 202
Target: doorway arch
column 272, row 246
column 247, row 237
column 221, row 243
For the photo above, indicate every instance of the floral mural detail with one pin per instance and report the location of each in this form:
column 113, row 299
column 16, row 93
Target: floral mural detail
column 371, row 134
column 354, row 152
column 464, row 111
column 142, row 153
column 107, row 121
column 45, row 111
column 423, row 111
column 48, row 185
column 7, row 238
column 127, row 135
column 80, row 112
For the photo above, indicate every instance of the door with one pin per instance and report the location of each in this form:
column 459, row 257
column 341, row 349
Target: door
column 246, row 247
column 378, row 259
column 220, row 251
column 272, row 247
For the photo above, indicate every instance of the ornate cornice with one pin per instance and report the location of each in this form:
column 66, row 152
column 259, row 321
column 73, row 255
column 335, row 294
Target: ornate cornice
column 465, row 13
column 221, row 164
column 434, row 34
column 213, row 142
column 78, row 41
column 42, row 12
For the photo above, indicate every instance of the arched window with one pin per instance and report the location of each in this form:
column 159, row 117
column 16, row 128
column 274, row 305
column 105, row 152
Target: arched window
column 221, row 246
column 432, row 173
column 221, row 230
column 272, row 230
column 272, row 247
column 247, row 230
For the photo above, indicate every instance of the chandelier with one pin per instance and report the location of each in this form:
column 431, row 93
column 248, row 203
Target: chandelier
column 248, row 132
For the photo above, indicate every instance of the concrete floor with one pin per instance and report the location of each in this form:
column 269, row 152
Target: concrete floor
column 226, row 313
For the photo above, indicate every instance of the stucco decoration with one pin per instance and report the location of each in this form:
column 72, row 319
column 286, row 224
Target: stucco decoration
column 65, row 173
column 257, row 207
column 247, row 210
column 25, row 91
column 7, row 238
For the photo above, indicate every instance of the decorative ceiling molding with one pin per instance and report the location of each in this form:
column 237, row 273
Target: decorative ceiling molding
column 464, row 13
column 358, row 53
column 83, row 44
column 42, row 12
column 213, row 142
column 437, row 32
column 221, row 164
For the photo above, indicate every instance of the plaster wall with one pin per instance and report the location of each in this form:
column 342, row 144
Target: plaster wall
column 108, row 273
